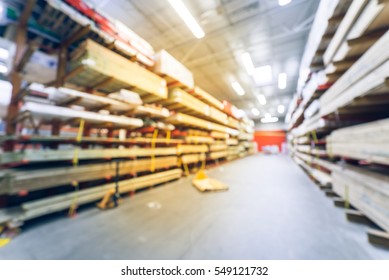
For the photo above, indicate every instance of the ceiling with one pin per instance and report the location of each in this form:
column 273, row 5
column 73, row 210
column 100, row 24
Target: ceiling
column 272, row 34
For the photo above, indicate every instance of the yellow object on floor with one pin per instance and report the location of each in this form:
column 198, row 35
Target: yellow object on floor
column 203, row 183
column 4, row 241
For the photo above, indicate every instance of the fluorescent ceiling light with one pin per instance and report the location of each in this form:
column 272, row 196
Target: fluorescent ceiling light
column 4, row 53
column 267, row 115
column 284, row 2
column 263, row 75
column 248, row 63
column 281, row 109
column 261, row 99
column 269, row 120
column 255, row 111
column 282, row 78
column 187, row 17
column 3, row 69
column 238, row 88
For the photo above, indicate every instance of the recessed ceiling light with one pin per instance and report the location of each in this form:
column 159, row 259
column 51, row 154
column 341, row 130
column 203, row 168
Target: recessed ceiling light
column 187, row 17
column 248, row 63
column 269, row 120
column 284, row 2
column 282, row 78
column 261, row 99
column 238, row 88
column 263, row 75
column 281, row 109
column 255, row 111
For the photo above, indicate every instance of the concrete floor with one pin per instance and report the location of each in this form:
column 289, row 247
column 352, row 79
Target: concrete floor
column 272, row 211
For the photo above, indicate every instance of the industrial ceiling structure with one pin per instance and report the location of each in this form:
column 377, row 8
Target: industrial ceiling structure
column 245, row 46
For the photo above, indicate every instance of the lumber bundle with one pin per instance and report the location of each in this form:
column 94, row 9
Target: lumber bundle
column 188, row 149
column 29, row 156
column 315, row 161
column 175, row 73
column 186, row 120
column 217, row 155
column 322, row 177
column 207, row 98
column 46, row 112
column 199, row 139
column 365, row 190
column 369, row 142
column 217, row 147
column 15, row 181
column 151, row 111
column 192, row 158
column 57, row 203
column 182, row 101
column 94, row 66
column 368, row 73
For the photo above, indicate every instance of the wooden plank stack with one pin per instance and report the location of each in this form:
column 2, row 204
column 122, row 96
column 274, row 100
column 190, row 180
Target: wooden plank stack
column 111, row 119
column 350, row 122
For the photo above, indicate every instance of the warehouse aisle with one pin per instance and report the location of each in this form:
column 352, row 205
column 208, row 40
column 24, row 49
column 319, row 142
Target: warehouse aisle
column 272, row 211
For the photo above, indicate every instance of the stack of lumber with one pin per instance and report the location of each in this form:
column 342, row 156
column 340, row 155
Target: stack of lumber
column 53, row 204
column 368, row 142
column 14, row 181
column 172, row 70
column 30, row 156
column 366, row 190
column 348, row 118
column 322, row 177
column 187, row 120
column 107, row 121
column 95, row 66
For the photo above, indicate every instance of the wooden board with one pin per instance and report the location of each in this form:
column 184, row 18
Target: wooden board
column 367, row 142
column 172, row 70
column 217, row 155
column 199, row 139
column 367, row 191
column 186, row 120
column 46, row 112
column 207, row 98
column 192, row 158
column 14, row 181
column 103, row 69
column 368, row 72
column 53, row 204
column 217, row 147
column 28, row 156
column 188, row 149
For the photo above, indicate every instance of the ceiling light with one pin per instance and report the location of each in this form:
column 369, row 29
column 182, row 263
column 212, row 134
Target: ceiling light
column 3, row 69
column 187, row 17
column 269, row 120
column 255, row 111
column 4, row 54
column 238, row 88
column 263, row 75
column 261, row 99
column 267, row 115
column 281, row 109
column 282, row 77
column 284, row 2
column 248, row 63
